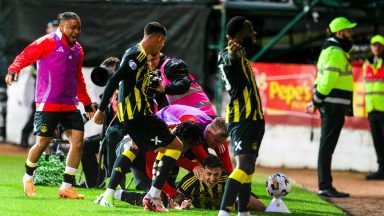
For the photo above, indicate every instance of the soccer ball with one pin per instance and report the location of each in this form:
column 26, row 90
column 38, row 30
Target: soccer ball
column 278, row 185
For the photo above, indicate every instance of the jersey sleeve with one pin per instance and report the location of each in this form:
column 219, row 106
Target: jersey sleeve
column 177, row 72
column 187, row 184
column 186, row 163
column 38, row 49
column 199, row 152
column 223, row 153
column 132, row 60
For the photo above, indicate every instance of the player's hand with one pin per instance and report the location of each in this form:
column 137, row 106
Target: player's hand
column 186, row 204
column 90, row 114
column 98, row 117
column 133, row 145
column 310, row 108
column 234, row 47
column 161, row 87
column 198, row 171
column 10, row 78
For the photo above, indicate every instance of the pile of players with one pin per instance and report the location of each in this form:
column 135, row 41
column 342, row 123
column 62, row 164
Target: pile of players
column 169, row 120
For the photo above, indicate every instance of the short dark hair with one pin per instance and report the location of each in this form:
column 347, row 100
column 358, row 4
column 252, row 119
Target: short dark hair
column 52, row 23
column 190, row 133
column 110, row 62
column 155, row 28
column 67, row 16
column 212, row 161
column 235, row 25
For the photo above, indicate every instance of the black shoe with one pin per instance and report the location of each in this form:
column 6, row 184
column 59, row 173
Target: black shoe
column 379, row 175
column 332, row 193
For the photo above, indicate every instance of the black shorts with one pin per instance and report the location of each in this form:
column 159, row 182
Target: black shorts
column 246, row 136
column 149, row 132
column 45, row 123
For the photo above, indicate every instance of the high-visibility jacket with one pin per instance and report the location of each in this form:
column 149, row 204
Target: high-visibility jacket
column 334, row 82
column 374, row 86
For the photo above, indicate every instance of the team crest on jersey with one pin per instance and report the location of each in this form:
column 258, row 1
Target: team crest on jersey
column 43, row 128
column 132, row 64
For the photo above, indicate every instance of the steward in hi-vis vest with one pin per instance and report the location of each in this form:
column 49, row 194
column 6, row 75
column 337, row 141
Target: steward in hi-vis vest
column 333, row 94
column 374, row 100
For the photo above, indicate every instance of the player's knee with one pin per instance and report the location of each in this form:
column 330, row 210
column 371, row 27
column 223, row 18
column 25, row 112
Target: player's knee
column 246, row 162
column 42, row 143
column 248, row 168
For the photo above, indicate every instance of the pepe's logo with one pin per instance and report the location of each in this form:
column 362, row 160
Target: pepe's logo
column 43, row 128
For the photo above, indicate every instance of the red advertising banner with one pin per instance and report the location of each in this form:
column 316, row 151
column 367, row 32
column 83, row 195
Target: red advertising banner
column 286, row 89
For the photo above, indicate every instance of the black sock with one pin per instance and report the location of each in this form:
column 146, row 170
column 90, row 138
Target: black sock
column 70, row 179
column 164, row 168
column 244, row 194
column 120, row 168
column 29, row 170
column 173, row 176
column 132, row 198
column 232, row 188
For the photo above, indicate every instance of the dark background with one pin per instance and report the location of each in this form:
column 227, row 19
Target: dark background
column 108, row 28
column 195, row 28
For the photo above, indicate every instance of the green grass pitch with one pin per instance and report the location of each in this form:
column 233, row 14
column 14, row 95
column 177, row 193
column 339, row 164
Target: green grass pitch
column 46, row 202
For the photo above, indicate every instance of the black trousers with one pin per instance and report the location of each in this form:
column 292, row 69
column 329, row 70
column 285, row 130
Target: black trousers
column 91, row 147
column 113, row 136
column 376, row 121
column 89, row 161
column 331, row 126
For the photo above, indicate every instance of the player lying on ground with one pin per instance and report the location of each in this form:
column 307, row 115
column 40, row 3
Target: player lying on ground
column 205, row 194
column 214, row 137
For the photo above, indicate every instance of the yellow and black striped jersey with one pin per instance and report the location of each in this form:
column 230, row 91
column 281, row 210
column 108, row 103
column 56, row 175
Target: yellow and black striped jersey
column 201, row 196
column 133, row 80
column 240, row 83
